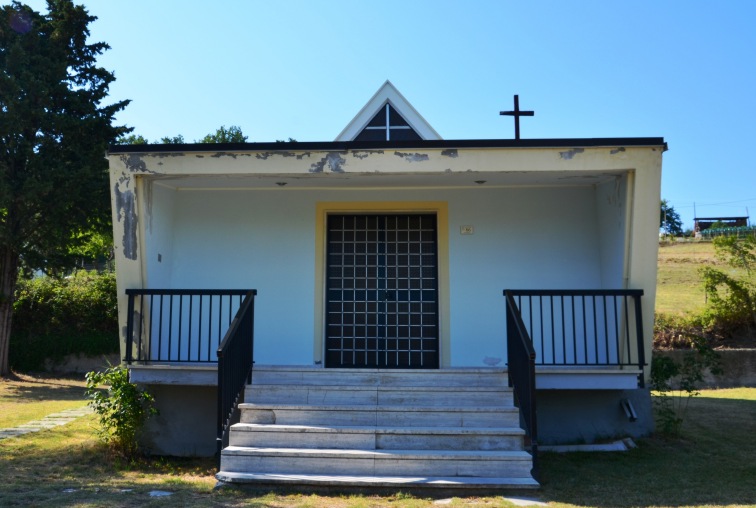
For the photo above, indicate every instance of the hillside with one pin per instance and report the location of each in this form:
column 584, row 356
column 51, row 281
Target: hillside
column 680, row 290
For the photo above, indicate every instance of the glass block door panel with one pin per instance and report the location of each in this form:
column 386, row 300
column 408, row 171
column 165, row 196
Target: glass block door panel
column 382, row 291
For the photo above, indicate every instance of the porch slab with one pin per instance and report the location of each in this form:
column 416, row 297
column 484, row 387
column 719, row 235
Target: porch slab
column 581, row 378
column 174, row 374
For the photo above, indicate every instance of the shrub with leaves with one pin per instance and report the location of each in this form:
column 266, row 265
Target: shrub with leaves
column 54, row 317
column 732, row 300
column 122, row 409
column 677, row 382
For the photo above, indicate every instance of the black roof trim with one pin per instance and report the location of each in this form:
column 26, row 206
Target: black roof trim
column 389, row 145
column 721, row 218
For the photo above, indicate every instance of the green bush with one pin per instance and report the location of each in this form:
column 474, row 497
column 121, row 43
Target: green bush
column 121, row 410
column 732, row 299
column 56, row 317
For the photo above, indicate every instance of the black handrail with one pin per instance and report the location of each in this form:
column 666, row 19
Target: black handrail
column 235, row 361
column 592, row 327
column 521, row 358
column 178, row 325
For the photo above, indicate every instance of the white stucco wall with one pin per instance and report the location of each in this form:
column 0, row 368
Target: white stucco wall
column 158, row 212
column 611, row 215
column 265, row 240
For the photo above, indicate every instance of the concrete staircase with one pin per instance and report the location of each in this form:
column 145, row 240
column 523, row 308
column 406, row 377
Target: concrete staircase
column 451, row 428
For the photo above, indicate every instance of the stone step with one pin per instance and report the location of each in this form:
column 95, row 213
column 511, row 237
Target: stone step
column 379, row 395
column 305, row 375
column 448, row 463
column 383, row 416
column 369, row 438
column 435, row 482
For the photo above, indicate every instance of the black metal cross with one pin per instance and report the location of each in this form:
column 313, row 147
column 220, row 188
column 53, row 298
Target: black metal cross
column 517, row 114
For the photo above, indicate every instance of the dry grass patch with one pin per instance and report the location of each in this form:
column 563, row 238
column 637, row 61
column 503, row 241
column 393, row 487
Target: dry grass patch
column 25, row 397
column 679, row 287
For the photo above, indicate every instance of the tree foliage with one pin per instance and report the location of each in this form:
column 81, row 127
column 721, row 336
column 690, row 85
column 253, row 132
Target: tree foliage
column 54, row 130
column 669, row 220
column 57, row 317
column 233, row 134
column 173, row 140
column 222, row 135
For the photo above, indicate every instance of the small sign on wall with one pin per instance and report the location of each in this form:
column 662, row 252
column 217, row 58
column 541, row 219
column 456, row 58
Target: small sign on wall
column 466, row 230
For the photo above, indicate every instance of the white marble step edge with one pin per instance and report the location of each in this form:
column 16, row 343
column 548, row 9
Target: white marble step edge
column 384, row 388
column 376, row 408
column 440, row 482
column 465, row 431
column 379, row 395
column 326, row 453
column 288, row 375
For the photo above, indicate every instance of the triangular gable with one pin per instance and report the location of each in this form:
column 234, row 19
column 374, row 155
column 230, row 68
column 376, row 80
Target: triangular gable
column 388, row 105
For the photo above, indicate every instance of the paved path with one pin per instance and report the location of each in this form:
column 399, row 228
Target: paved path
column 48, row 422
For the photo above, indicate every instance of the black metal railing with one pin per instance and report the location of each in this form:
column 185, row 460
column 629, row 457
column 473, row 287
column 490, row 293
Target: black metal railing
column 178, row 325
column 235, row 362
column 584, row 327
column 521, row 358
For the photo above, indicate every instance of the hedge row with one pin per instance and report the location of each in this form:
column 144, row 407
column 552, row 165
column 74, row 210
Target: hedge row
column 56, row 317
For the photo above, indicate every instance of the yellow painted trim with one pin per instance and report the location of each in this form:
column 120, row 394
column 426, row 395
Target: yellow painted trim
column 440, row 208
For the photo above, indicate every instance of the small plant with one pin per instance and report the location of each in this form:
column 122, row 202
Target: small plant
column 122, row 410
column 732, row 299
column 677, row 382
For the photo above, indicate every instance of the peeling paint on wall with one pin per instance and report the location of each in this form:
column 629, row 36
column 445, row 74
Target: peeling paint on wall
column 451, row 152
column 571, row 153
column 364, row 154
column 617, row 150
column 126, row 212
column 412, row 157
column 334, row 160
column 266, row 155
column 134, row 162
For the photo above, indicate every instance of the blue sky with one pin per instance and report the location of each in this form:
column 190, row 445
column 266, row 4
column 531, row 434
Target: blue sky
column 683, row 70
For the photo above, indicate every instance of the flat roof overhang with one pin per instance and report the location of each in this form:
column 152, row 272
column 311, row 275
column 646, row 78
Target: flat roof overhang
column 390, row 165
column 384, row 145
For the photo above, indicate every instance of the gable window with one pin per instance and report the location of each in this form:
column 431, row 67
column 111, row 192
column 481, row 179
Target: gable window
column 387, row 125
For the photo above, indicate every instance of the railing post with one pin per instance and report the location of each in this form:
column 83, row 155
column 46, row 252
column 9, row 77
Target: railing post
column 235, row 360
column 521, row 371
column 129, row 328
column 641, row 345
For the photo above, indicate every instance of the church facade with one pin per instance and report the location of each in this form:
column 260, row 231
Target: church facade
column 390, row 249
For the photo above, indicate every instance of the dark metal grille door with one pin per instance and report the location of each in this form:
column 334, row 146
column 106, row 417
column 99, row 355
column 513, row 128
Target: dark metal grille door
column 382, row 294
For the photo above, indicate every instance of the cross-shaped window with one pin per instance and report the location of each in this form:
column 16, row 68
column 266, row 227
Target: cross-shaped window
column 387, row 125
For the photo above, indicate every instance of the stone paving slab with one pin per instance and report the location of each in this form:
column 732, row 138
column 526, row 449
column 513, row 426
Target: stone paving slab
column 48, row 422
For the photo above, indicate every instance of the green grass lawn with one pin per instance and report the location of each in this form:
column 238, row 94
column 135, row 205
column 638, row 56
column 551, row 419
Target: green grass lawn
column 711, row 465
column 28, row 398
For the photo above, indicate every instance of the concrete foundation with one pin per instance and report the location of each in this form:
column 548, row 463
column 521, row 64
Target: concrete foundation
column 587, row 416
column 186, row 425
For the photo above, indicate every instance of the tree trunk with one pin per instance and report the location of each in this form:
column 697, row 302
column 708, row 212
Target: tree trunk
column 8, row 279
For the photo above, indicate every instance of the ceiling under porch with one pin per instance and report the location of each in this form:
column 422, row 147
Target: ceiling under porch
column 389, row 180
